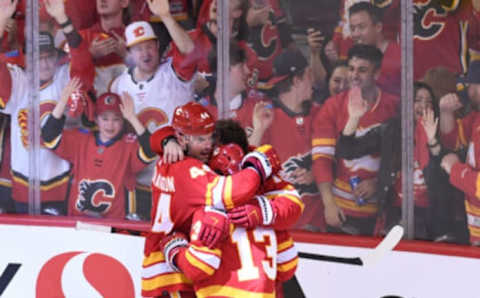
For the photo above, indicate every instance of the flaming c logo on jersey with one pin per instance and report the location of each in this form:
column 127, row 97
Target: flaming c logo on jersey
column 95, row 196
column 84, row 274
column 139, row 31
column 22, row 119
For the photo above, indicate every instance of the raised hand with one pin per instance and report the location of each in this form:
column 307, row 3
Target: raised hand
column 262, row 116
column 449, row 103
column 56, row 9
column 331, row 51
column 357, row 106
column 160, row 8
column 7, row 8
column 72, row 86
column 315, row 40
column 430, row 124
column 127, row 107
column 258, row 15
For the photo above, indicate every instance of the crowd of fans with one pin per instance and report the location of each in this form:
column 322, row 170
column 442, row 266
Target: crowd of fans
column 327, row 98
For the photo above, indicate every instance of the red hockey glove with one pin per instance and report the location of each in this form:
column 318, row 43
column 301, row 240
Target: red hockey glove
column 171, row 245
column 214, row 227
column 258, row 212
column 264, row 159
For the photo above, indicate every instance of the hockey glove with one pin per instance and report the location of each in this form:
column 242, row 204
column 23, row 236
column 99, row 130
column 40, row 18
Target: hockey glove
column 171, row 245
column 264, row 160
column 258, row 212
column 214, row 227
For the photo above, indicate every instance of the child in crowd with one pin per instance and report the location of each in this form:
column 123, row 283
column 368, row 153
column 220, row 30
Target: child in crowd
column 105, row 161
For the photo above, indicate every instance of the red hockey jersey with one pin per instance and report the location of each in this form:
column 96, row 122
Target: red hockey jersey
column 100, row 171
column 439, row 30
column 328, row 125
column 178, row 190
column 466, row 177
column 248, row 261
column 296, row 154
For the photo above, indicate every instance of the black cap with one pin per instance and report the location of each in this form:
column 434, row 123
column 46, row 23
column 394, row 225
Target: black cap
column 473, row 74
column 45, row 42
column 288, row 63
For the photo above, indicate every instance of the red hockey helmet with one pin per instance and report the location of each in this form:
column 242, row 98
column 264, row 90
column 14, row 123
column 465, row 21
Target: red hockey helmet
column 226, row 159
column 193, row 119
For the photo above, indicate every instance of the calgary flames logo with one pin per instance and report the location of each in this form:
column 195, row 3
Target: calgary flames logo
column 94, row 197
column 429, row 19
column 46, row 108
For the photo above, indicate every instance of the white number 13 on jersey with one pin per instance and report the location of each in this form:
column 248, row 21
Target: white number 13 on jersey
column 249, row 271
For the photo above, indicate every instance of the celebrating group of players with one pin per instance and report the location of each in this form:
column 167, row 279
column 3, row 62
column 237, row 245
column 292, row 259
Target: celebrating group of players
column 220, row 201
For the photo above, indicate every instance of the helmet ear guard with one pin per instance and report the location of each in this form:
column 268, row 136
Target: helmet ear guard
column 226, row 159
column 193, row 119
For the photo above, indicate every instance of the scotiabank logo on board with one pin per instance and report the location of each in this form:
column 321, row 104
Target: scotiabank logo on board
column 84, row 274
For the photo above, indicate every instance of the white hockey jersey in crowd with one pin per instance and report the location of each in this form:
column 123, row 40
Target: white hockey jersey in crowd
column 155, row 100
column 52, row 167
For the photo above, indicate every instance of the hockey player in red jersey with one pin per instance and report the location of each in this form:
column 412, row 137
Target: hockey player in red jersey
column 181, row 188
column 336, row 116
column 103, row 161
column 277, row 206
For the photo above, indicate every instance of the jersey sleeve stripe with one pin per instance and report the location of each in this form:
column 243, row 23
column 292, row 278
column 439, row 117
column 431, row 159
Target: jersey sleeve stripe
column 293, row 198
column 132, row 201
column 461, row 133
column 284, row 245
column 207, row 250
column 218, row 194
column 470, row 208
column 477, row 187
column 154, row 257
column 324, row 150
column 54, row 143
column 143, row 157
column 324, row 142
column 194, row 261
column 227, row 194
column 156, row 269
column 287, row 266
column 211, row 259
column 208, row 194
column 287, row 255
column 164, row 281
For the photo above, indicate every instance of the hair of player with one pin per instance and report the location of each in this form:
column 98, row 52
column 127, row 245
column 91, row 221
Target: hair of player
column 366, row 52
column 230, row 131
column 237, row 55
column 372, row 10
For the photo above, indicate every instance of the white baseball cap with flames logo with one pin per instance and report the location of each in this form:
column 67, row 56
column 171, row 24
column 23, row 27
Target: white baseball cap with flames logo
column 138, row 32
